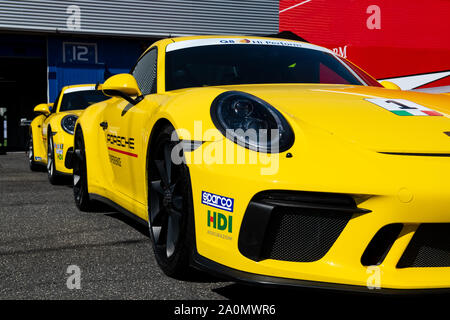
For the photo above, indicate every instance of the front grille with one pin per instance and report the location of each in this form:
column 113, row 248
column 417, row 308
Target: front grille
column 429, row 247
column 294, row 226
column 303, row 235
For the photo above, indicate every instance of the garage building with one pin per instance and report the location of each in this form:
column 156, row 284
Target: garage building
column 46, row 45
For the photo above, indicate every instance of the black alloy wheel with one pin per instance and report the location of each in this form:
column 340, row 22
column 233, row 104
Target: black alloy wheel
column 80, row 187
column 30, row 154
column 171, row 217
column 52, row 174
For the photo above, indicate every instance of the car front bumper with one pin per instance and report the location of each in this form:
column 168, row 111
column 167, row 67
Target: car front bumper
column 405, row 190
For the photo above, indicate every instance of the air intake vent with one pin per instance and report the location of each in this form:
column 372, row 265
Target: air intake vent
column 429, row 247
column 294, row 226
column 303, row 235
column 380, row 244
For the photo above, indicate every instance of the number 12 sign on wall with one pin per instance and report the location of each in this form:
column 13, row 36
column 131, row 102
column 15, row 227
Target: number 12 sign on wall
column 79, row 53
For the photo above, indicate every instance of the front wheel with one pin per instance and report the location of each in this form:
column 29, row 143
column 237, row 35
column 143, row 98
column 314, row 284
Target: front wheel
column 52, row 174
column 171, row 213
column 30, row 154
column 80, row 187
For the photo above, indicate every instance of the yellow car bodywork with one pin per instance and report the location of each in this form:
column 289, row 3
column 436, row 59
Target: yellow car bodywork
column 42, row 125
column 394, row 166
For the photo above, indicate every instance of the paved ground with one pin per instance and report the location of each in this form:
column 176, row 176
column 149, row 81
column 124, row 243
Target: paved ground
column 42, row 233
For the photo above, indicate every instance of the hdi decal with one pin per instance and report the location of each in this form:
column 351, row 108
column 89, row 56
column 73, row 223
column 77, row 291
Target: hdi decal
column 216, row 201
column 220, row 221
column 402, row 107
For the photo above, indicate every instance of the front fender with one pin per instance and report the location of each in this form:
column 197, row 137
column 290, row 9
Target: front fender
column 61, row 142
column 93, row 135
column 189, row 112
column 39, row 148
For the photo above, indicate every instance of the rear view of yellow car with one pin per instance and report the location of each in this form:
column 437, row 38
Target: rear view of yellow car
column 273, row 161
column 51, row 132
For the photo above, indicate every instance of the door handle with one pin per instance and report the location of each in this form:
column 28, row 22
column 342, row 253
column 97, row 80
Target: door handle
column 104, row 125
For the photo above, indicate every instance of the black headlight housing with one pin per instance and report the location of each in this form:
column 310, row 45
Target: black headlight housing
column 68, row 123
column 249, row 121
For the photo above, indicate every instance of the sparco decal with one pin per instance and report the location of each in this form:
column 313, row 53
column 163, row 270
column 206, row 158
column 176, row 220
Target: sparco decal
column 216, row 201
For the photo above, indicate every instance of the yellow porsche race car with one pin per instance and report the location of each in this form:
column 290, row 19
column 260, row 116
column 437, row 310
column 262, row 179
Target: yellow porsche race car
column 273, row 161
column 51, row 132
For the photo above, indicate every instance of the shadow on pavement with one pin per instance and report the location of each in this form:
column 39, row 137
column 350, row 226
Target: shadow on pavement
column 194, row 275
column 129, row 221
column 236, row 291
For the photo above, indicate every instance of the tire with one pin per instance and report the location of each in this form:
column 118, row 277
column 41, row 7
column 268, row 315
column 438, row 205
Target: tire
column 80, row 186
column 52, row 174
column 171, row 213
column 30, row 154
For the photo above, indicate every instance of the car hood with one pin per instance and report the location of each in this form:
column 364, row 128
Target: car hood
column 345, row 112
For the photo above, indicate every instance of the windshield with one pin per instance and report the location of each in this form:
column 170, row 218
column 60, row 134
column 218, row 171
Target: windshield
column 214, row 65
column 79, row 100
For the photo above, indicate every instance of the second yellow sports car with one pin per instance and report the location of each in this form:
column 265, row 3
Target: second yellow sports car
column 273, row 161
column 51, row 132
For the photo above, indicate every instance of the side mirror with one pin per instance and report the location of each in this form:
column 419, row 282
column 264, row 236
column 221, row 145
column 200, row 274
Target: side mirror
column 122, row 85
column 42, row 108
column 390, row 85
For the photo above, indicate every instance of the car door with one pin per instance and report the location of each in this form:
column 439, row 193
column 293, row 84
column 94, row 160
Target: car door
column 124, row 138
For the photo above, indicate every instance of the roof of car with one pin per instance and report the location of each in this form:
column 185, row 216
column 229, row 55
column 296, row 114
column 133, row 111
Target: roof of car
column 79, row 86
column 176, row 39
column 247, row 39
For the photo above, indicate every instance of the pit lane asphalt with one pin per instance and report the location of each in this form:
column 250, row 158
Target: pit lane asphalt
column 42, row 233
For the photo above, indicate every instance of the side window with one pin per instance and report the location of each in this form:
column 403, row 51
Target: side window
column 326, row 75
column 145, row 72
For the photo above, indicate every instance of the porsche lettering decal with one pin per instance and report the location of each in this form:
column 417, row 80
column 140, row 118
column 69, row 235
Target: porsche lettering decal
column 119, row 141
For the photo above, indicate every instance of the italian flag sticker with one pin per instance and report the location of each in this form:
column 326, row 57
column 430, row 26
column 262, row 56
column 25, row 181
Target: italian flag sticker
column 402, row 107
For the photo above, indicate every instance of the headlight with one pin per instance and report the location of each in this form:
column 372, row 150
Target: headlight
column 251, row 122
column 68, row 123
